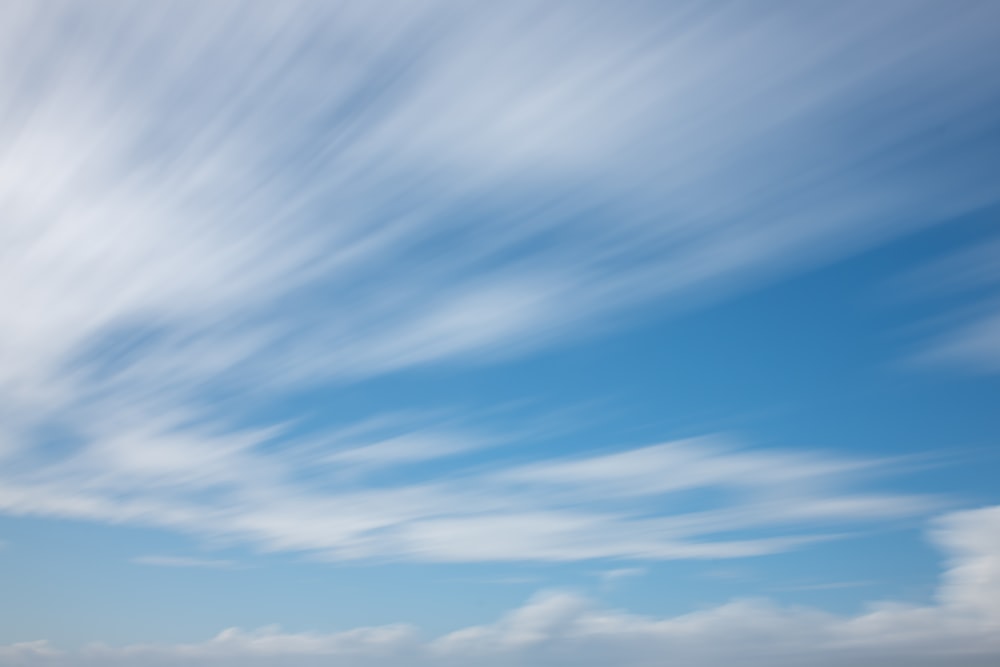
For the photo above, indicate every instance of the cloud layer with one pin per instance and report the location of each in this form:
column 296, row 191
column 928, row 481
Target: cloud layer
column 205, row 207
column 554, row 509
column 556, row 628
column 322, row 192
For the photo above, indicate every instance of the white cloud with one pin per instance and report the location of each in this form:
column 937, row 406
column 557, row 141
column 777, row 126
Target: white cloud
column 610, row 578
column 559, row 628
column 240, row 198
column 228, row 200
column 972, row 580
column 404, row 449
column 237, row 487
column 183, row 184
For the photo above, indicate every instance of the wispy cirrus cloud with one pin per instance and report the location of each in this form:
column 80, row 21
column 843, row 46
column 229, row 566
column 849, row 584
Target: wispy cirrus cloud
column 237, row 199
column 631, row 504
column 966, row 335
column 388, row 139
column 610, row 578
column 971, row 346
column 959, row 628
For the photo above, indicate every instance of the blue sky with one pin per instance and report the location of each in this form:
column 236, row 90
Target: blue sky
column 454, row 333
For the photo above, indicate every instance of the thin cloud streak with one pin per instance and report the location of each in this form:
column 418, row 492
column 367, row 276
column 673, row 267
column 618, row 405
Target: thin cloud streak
column 967, row 336
column 186, row 561
column 235, row 488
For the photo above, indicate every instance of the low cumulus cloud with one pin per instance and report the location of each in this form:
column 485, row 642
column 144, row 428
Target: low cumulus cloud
column 961, row 629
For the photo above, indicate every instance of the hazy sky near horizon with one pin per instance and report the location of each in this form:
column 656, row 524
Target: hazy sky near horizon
column 525, row 333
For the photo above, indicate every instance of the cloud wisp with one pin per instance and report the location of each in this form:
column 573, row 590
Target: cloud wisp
column 186, row 561
column 961, row 628
column 967, row 336
column 318, row 194
column 639, row 503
